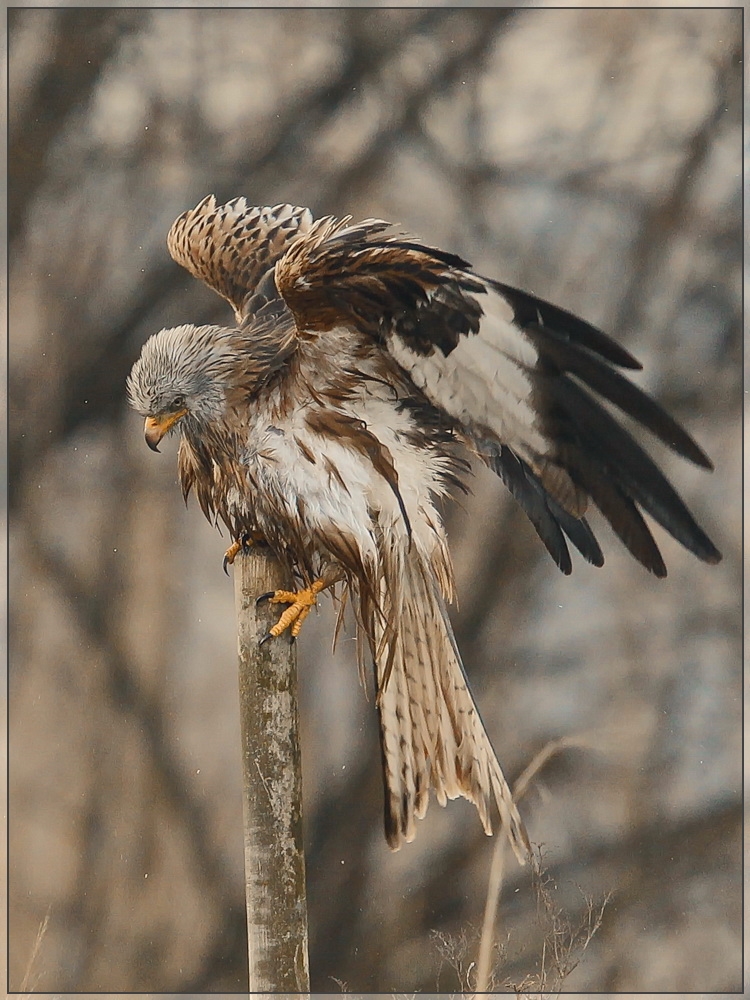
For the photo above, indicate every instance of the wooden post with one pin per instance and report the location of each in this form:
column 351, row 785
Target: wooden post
column 272, row 785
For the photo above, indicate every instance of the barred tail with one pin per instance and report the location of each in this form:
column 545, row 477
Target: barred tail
column 431, row 733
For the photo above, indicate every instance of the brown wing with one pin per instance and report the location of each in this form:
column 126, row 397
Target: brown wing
column 520, row 375
column 359, row 275
column 233, row 247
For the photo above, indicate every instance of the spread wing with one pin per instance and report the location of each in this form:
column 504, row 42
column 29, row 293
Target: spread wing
column 524, row 379
column 233, row 248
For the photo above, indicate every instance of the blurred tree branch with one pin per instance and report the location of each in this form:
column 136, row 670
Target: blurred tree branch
column 126, row 695
column 85, row 39
column 661, row 220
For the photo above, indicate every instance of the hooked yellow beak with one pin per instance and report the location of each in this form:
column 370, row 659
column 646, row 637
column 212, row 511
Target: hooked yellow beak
column 156, row 427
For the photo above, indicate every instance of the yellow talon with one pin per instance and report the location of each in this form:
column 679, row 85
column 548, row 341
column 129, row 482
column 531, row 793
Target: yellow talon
column 243, row 542
column 231, row 554
column 300, row 603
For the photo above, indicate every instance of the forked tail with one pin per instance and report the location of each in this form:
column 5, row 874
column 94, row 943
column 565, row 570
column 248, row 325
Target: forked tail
column 431, row 733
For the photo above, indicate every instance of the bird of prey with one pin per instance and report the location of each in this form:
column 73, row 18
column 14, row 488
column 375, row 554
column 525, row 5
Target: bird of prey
column 362, row 370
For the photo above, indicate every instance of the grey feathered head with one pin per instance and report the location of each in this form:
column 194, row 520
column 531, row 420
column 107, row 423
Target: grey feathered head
column 181, row 372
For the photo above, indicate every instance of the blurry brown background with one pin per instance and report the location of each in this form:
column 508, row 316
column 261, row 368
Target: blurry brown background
column 592, row 157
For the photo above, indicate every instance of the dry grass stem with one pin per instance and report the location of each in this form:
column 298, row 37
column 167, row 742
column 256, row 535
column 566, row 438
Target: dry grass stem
column 564, row 942
column 484, row 974
column 540, row 759
column 27, row 986
column 484, row 959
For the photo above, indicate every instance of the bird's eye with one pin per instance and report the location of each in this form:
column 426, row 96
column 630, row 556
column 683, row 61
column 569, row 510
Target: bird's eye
column 178, row 403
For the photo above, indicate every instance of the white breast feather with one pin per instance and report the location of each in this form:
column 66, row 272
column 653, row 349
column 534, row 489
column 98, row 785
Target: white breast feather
column 276, row 459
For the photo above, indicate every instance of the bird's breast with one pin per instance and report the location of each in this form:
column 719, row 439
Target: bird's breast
column 357, row 473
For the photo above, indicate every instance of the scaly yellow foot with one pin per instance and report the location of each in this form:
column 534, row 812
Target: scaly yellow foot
column 300, row 604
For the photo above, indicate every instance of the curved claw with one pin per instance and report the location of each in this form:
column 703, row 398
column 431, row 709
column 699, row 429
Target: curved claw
column 231, row 554
column 264, row 597
column 270, row 635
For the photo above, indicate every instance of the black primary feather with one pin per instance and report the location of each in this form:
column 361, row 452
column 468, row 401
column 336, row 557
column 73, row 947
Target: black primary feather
column 549, row 519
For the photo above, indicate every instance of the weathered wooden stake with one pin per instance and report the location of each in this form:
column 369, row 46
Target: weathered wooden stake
column 272, row 784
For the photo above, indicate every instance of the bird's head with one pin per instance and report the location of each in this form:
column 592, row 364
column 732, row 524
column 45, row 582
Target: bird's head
column 181, row 376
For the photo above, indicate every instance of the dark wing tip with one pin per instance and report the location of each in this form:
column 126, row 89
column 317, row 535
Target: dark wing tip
column 528, row 310
column 597, row 374
column 706, row 550
column 604, row 460
column 701, row 546
column 550, row 520
column 698, row 457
